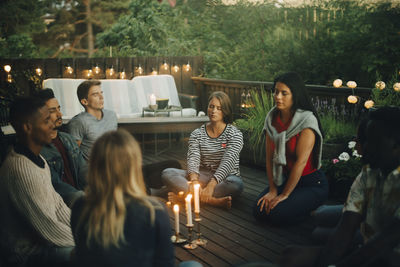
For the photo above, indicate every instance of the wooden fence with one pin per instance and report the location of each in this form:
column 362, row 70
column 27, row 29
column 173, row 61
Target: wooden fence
column 181, row 68
column 235, row 89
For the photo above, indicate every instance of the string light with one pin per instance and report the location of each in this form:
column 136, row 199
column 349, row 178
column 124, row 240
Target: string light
column 140, row 70
column 352, row 99
column 396, row 87
column 380, row 85
column 176, row 68
column 165, row 65
column 39, row 71
column 351, row 84
column 70, row 70
column 337, row 83
column 7, row 68
column 369, row 104
column 187, row 67
column 153, row 72
column 122, row 75
column 97, row 70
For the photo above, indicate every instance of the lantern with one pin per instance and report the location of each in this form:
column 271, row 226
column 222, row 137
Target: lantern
column 337, row 83
column 369, row 104
column 352, row 99
column 380, row 85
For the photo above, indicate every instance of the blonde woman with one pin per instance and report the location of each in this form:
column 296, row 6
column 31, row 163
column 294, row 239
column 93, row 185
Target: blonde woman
column 116, row 223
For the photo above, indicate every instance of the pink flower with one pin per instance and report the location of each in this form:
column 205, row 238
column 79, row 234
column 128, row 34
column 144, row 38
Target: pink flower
column 335, row 161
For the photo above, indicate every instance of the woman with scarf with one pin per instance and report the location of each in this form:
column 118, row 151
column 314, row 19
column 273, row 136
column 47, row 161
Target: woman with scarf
column 293, row 148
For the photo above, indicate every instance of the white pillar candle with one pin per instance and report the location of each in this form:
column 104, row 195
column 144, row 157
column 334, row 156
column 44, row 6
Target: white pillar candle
column 152, row 99
column 197, row 198
column 176, row 212
column 188, row 200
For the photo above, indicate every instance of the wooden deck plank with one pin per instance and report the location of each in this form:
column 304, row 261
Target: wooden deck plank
column 234, row 236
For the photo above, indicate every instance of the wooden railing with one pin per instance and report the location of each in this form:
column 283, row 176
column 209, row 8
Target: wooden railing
column 205, row 86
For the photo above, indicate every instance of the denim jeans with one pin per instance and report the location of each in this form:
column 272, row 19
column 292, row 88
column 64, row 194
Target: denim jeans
column 176, row 180
column 310, row 192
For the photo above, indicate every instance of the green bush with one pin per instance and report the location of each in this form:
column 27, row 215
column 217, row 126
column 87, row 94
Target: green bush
column 337, row 129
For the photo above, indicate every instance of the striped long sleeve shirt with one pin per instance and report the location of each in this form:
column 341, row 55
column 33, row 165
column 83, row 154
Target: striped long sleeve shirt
column 219, row 155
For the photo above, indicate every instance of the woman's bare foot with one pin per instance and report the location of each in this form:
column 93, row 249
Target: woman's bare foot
column 222, row 202
column 176, row 198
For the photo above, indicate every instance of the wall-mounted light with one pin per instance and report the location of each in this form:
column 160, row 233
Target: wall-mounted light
column 39, row 71
column 7, row 68
column 176, row 68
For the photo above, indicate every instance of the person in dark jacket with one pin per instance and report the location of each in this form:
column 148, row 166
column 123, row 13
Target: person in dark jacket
column 67, row 166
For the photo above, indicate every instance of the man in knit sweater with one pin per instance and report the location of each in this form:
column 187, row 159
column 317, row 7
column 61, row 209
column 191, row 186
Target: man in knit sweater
column 67, row 166
column 34, row 222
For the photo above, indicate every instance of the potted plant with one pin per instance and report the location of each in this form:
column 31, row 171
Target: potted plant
column 341, row 171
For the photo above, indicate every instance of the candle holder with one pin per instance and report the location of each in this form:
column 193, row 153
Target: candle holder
column 190, row 244
column 177, row 238
column 199, row 240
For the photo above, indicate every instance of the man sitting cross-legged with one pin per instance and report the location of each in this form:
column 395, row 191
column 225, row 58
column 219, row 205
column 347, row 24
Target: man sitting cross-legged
column 34, row 221
column 87, row 126
column 67, row 166
column 373, row 203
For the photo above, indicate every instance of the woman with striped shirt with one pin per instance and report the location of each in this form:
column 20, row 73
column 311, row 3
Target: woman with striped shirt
column 213, row 157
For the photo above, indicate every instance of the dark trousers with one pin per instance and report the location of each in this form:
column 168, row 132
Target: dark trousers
column 311, row 191
column 152, row 173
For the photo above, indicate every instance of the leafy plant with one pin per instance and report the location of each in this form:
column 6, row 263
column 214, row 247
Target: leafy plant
column 253, row 120
column 336, row 129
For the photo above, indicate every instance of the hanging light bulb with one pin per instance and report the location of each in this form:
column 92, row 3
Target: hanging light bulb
column 122, row 75
column 140, row 70
column 165, row 65
column 176, row 68
column 89, row 73
column 9, row 78
column 112, row 71
column 351, row 84
column 153, row 72
column 97, row 69
column 187, row 67
column 7, row 68
column 380, row 85
column 369, row 104
column 243, row 100
column 70, row 70
column 39, row 71
column 352, row 99
column 337, row 83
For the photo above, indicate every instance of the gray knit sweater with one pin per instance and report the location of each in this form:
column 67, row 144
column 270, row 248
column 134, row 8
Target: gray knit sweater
column 301, row 120
column 33, row 214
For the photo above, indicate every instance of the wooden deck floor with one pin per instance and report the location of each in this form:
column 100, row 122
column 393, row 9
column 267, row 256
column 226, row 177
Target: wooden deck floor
column 234, row 236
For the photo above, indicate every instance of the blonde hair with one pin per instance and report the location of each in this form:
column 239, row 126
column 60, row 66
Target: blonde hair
column 114, row 178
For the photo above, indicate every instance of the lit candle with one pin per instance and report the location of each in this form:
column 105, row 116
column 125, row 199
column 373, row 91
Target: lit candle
column 152, row 99
column 197, row 198
column 188, row 200
column 176, row 212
